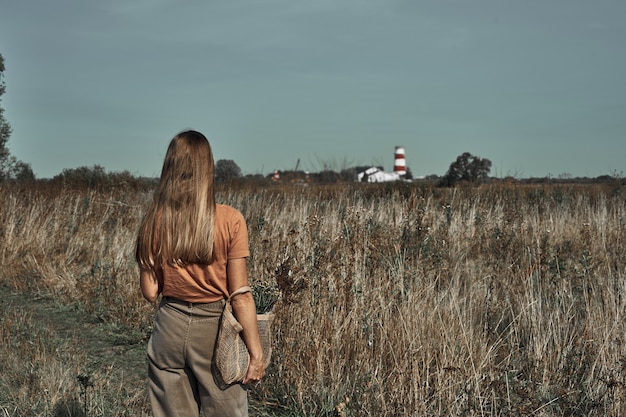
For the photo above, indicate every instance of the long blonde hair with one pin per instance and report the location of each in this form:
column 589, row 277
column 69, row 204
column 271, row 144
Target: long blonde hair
column 179, row 225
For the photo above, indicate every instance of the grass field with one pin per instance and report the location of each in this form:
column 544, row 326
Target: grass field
column 395, row 299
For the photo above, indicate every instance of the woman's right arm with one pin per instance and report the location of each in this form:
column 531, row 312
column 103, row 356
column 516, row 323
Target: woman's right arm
column 149, row 284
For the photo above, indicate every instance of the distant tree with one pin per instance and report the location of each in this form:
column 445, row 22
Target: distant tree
column 5, row 130
column 21, row 171
column 258, row 178
column 96, row 177
column 326, row 177
column 348, row 174
column 467, row 167
column 432, row 178
column 226, row 170
column 10, row 167
column 82, row 176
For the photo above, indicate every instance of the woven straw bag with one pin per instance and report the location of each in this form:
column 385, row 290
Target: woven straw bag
column 231, row 357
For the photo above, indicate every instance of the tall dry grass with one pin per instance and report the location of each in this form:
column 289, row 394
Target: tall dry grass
column 396, row 299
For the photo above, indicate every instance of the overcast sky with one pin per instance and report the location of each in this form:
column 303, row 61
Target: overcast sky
column 536, row 86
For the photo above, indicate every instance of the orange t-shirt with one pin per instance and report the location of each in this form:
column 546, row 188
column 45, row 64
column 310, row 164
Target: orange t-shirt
column 198, row 283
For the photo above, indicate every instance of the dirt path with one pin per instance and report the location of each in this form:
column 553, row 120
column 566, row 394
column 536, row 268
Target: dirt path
column 110, row 348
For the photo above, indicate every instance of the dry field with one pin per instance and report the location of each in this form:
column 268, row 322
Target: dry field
column 395, row 299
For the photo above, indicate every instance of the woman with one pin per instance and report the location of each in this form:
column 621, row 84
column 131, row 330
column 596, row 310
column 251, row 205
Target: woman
column 193, row 252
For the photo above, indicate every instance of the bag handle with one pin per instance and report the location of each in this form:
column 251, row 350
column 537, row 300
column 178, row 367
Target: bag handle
column 241, row 290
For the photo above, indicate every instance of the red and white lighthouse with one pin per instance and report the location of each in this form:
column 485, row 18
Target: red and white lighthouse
column 399, row 166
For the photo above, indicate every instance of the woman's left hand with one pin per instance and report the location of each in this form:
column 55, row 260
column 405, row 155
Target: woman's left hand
column 256, row 371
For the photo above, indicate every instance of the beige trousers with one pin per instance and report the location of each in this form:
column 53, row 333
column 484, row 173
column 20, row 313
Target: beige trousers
column 180, row 351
